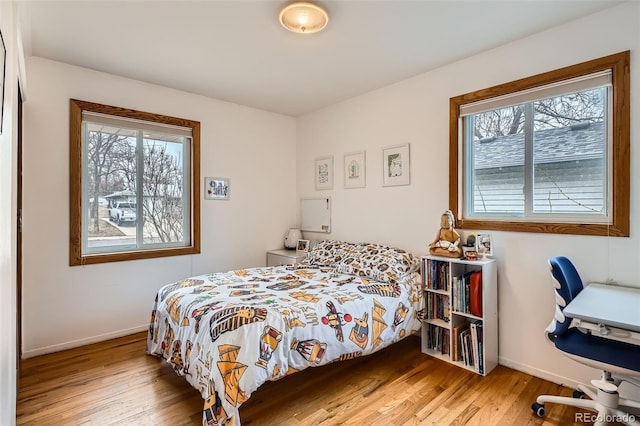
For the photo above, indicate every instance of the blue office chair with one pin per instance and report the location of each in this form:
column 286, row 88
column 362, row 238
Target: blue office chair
column 616, row 359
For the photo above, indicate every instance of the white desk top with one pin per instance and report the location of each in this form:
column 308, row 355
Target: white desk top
column 611, row 305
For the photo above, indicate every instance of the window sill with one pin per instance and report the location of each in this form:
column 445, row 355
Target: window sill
column 544, row 227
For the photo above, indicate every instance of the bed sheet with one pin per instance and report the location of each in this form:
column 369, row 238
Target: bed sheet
column 228, row 333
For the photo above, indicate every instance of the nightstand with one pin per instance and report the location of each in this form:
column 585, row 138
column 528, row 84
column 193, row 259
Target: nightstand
column 284, row 257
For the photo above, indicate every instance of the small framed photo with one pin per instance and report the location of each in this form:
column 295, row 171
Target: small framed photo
column 216, row 188
column 302, row 246
column 324, row 172
column 396, row 165
column 354, row 170
column 483, row 245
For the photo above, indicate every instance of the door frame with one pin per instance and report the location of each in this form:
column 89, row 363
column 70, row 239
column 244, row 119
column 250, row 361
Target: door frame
column 19, row 235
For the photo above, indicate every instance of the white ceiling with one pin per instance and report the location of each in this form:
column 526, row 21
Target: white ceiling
column 238, row 52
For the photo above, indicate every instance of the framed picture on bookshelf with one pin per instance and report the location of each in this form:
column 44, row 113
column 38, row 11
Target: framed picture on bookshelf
column 484, row 246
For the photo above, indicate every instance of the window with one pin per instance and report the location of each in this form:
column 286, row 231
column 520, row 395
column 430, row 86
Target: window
column 134, row 182
column 548, row 153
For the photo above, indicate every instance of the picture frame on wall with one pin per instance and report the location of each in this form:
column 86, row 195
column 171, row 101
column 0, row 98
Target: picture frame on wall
column 216, row 188
column 324, row 172
column 355, row 170
column 396, row 165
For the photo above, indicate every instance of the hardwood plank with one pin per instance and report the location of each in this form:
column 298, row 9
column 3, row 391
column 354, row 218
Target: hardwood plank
column 115, row 382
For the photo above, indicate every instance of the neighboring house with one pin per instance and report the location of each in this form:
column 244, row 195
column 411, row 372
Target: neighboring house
column 569, row 173
column 120, row 196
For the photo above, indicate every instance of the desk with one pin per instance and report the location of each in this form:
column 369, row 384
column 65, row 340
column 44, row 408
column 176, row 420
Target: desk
column 610, row 305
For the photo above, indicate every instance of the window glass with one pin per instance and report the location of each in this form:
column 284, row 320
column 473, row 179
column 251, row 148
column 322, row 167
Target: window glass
column 137, row 180
column 566, row 161
column 112, row 161
column 497, row 162
column 547, row 153
column 570, row 147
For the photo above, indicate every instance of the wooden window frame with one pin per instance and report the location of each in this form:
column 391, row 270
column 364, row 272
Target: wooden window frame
column 76, row 185
column 619, row 227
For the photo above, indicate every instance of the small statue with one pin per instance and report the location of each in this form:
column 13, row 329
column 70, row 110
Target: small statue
column 447, row 242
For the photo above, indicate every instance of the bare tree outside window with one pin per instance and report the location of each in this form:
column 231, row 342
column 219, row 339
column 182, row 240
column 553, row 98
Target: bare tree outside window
column 555, row 112
column 163, row 185
column 134, row 177
column 100, row 146
column 112, row 170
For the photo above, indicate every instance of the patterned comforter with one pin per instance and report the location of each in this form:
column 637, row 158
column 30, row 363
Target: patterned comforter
column 228, row 333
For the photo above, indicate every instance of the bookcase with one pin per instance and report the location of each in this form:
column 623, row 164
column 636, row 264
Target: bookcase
column 460, row 324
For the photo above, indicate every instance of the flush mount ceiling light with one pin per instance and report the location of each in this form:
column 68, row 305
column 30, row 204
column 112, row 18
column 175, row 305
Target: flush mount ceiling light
column 303, row 18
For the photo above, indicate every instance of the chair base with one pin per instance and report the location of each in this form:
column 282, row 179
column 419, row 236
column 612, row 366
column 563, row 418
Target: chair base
column 605, row 402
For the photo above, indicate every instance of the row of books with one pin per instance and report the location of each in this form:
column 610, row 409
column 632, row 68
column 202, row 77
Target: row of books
column 437, row 275
column 437, row 306
column 467, row 293
column 468, row 345
column 438, row 339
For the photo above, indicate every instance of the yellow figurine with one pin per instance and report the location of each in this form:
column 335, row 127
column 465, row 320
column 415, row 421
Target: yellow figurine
column 447, row 242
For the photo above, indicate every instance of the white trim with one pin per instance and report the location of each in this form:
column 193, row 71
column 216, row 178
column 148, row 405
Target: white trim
column 82, row 342
column 542, row 374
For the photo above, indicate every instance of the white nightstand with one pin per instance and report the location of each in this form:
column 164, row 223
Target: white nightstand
column 284, row 257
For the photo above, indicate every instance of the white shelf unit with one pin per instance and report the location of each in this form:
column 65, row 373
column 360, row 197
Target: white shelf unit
column 446, row 314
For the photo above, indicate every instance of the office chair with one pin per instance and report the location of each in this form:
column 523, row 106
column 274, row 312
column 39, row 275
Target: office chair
column 616, row 359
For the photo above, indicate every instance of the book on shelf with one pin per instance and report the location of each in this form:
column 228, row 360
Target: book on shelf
column 475, row 291
column 467, row 341
column 474, row 344
column 480, row 347
column 466, row 345
column 456, row 350
column 467, row 293
column 437, row 275
column 438, row 306
column 455, row 284
column 438, row 339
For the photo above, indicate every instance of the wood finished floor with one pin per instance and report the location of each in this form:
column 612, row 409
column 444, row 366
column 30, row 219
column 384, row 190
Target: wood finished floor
column 116, row 383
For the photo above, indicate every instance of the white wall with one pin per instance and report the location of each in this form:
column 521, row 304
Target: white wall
column 67, row 306
column 8, row 172
column 417, row 111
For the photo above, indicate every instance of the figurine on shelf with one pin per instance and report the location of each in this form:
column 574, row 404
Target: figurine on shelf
column 447, row 242
column 469, row 249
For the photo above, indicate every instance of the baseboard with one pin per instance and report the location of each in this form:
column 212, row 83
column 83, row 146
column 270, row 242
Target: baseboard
column 542, row 374
column 81, row 342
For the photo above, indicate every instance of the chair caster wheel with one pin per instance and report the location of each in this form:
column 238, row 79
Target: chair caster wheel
column 538, row 409
column 578, row 394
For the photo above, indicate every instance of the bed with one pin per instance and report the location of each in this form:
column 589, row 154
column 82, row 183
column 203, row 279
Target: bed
column 228, row 333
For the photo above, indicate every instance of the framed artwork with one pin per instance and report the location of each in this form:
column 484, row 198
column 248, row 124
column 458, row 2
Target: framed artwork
column 216, row 188
column 3, row 64
column 303, row 246
column 483, row 245
column 324, row 172
column 396, row 165
column 354, row 170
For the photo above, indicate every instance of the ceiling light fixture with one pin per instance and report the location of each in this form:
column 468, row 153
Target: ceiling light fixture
column 303, row 18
